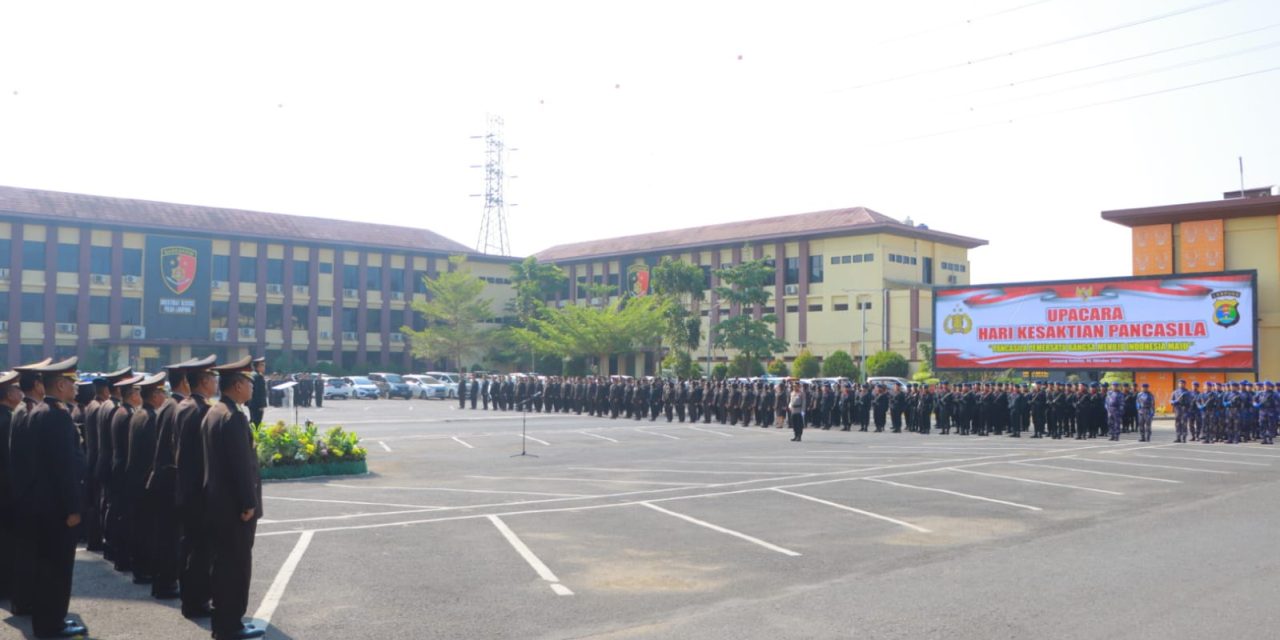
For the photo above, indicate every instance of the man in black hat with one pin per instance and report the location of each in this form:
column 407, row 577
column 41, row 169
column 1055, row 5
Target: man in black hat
column 54, row 500
column 143, row 428
column 194, row 558
column 258, row 402
column 23, row 587
column 233, row 491
column 10, row 399
column 119, row 518
column 92, row 518
column 162, row 483
column 108, row 404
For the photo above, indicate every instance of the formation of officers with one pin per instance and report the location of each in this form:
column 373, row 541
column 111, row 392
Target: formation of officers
column 162, row 482
column 1050, row 410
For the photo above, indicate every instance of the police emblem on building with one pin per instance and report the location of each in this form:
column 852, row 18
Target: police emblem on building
column 638, row 279
column 178, row 268
column 957, row 322
column 1226, row 308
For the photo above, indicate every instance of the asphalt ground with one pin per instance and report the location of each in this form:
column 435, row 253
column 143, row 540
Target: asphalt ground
column 625, row 529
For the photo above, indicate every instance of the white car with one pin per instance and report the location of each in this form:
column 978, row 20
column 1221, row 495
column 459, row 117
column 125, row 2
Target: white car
column 426, row 387
column 889, row 382
column 448, row 378
column 363, row 388
column 335, row 388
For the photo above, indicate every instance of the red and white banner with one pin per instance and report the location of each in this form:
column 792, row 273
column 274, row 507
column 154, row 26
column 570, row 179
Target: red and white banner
column 1183, row 323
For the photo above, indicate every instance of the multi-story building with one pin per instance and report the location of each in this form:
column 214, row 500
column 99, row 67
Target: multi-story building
column 847, row 279
column 146, row 283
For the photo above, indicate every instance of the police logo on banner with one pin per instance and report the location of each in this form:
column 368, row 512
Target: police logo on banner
column 178, row 268
column 638, row 279
column 1226, row 308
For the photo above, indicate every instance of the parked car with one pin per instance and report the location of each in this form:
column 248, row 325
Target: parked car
column 448, row 378
column 427, row 387
column 889, row 382
column 392, row 385
column 335, row 388
column 363, row 388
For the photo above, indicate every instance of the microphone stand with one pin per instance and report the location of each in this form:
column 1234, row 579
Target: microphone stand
column 524, row 434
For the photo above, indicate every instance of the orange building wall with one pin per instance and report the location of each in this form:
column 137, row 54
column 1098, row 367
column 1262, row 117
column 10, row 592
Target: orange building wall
column 1153, row 250
column 1201, row 247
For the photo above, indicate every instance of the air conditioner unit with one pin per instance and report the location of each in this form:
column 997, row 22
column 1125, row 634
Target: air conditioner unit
column 326, row 335
column 397, row 295
column 131, row 281
column 349, row 335
column 276, row 289
column 247, row 332
column 791, row 289
column 397, row 338
column 4, row 274
column 218, row 284
column 351, row 293
column 138, row 333
column 99, row 278
column 951, row 279
column 301, row 289
column 67, row 328
column 220, row 335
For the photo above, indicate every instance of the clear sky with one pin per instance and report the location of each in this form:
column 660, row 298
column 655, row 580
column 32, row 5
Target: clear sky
column 1016, row 121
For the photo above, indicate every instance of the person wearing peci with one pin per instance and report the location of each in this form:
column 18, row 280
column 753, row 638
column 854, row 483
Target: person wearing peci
column 143, row 428
column 119, row 520
column 107, row 408
column 22, row 584
column 233, row 496
column 161, row 485
column 54, row 500
column 194, row 563
column 258, row 402
column 10, row 399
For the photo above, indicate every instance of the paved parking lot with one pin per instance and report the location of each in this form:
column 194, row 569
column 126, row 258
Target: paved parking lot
column 623, row 529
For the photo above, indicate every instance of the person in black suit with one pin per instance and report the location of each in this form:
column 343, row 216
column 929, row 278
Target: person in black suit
column 119, row 519
column 143, row 428
column 194, row 561
column 474, row 391
column 10, row 399
column 233, row 493
column 318, row 390
column 462, row 393
column 161, row 485
column 257, row 403
column 102, row 463
column 54, row 500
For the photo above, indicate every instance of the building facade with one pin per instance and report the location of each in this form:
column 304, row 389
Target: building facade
column 1224, row 235
column 143, row 283
column 846, row 279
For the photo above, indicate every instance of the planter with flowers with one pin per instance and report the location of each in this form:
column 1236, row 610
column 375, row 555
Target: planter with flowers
column 291, row 451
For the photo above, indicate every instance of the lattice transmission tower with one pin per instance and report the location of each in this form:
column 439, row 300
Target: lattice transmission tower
column 493, row 227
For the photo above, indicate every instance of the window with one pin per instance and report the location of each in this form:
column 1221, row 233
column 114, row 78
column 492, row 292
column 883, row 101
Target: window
column 350, row 276
column 100, row 309
column 131, row 264
column 706, row 277
column 373, row 320
column 792, row 308
column 326, row 267
column 836, row 259
column 397, row 280
column 582, row 287
column 248, row 314
column 248, row 269
column 5, row 256
column 275, row 316
column 928, row 271
column 420, row 283
column 33, row 255
column 373, row 278
column 613, row 280
column 300, row 319
column 868, row 257
column 69, row 258
column 857, row 258
column 846, row 259
column 324, row 312
column 221, row 268
column 815, row 269
column 301, row 273
column 131, row 311
column 840, row 306
column 815, row 307
column 275, row 271
column 768, row 310
column 349, row 318
column 864, row 306
column 4, row 305
column 32, row 308
column 100, row 260
column 706, row 312
column 66, row 308
column 792, row 275
column 218, row 312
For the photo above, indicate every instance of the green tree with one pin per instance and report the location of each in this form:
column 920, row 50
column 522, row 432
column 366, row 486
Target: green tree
column 744, row 366
column 839, row 365
column 805, row 365
column 683, row 285
column 720, row 371
column 680, row 364
column 778, row 368
column 887, row 363
column 595, row 332
column 744, row 287
column 454, row 312
column 533, row 282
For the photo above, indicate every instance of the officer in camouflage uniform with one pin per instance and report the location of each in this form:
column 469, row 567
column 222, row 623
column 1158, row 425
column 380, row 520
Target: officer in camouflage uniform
column 1146, row 408
column 1268, row 406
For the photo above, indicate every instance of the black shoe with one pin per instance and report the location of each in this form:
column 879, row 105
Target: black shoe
column 245, row 632
column 71, row 630
column 141, row 578
column 193, row 613
column 168, row 593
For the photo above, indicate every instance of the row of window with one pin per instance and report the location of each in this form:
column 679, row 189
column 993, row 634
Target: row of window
column 893, row 257
column 793, row 308
column 953, row 266
column 854, row 259
column 67, row 258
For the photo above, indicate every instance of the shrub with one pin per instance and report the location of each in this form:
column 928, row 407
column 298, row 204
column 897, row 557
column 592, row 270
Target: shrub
column 887, row 363
column 839, row 365
column 805, row 365
column 283, row 445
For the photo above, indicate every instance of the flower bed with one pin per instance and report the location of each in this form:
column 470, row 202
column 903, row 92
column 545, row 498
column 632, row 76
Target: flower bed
column 293, row 451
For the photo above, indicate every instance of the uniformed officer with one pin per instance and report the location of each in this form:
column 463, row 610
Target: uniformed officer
column 1145, row 404
column 143, row 428
column 194, row 561
column 258, row 403
column 1181, row 415
column 233, row 495
column 22, row 586
column 106, row 454
column 53, row 499
column 10, row 399
column 162, row 484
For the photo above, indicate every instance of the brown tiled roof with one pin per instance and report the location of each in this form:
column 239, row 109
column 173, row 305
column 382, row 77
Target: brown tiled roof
column 854, row 221
column 1211, row 210
column 147, row 215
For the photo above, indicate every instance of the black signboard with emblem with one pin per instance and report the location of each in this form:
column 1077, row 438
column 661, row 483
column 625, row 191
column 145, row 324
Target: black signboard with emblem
column 176, row 297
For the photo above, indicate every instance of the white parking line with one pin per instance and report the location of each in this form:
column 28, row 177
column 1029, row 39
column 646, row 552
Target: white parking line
column 1100, row 473
column 384, row 446
column 587, row 433
column 671, row 484
column 854, row 510
column 1030, row 481
column 1154, row 466
column 370, row 504
column 1200, row 450
column 514, row 493
column 956, row 493
column 541, row 442
column 539, row 567
column 1209, row 460
column 727, row 473
column 737, row 534
column 722, row 435
column 655, row 433
column 276, row 591
column 462, row 442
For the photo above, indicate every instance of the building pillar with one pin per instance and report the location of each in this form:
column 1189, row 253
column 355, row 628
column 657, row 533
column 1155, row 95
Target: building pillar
column 384, row 327
column 803, row 306
column 50, row 290
column 260, row 308
column 15, row 294
column 362, row 320
column 339, row 269
column 82, row 305
column 779, row 289
column 117, row 283
column 233, row 290
column 286, row 309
